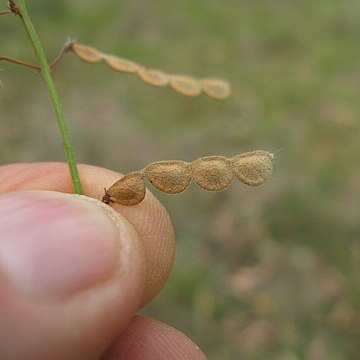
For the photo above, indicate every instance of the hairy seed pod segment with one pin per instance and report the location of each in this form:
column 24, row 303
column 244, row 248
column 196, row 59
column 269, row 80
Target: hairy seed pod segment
column 129, row 190
column 86, row 53
column 185, row 85
column 153, row 77
column 122, row 65
column 169, row 176
column 212, row 173
column 253, row 168
column 216, row 88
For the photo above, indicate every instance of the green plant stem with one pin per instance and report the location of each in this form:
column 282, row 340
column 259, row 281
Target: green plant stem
column 45, row 69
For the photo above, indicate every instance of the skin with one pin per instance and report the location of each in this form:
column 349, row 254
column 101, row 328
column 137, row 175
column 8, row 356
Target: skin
column 45, row 316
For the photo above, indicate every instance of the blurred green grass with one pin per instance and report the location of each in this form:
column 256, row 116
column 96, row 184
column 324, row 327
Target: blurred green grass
column 267, row 273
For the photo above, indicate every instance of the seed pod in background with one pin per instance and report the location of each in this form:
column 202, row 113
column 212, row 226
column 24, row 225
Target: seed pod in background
column 216, row 88
column 86, row 53
column 122, row 65
column 129, row 190
column 185, row 85
column 212, row 173
column 172, row 176
column 253, row 168
column 153, row 77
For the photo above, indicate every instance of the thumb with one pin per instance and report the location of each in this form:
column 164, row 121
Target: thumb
column 71, row 276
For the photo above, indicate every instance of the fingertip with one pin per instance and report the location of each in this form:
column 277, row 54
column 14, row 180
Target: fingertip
column 155, row 229
column 146, row 338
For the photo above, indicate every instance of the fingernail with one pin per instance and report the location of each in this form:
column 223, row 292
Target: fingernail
column 53, row 245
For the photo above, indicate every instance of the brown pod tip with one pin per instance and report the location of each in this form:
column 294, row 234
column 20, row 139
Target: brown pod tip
column 106, row 198
column 253, row 168
column 212, row 173
column 169, row 176
column 129, row 190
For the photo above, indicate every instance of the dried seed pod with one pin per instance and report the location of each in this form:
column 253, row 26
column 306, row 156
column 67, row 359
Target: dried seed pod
column 129, row 190
column 122, row 65
column 172, row 176
column 86, row 53
column 253, row 168
column 216, row 88
column 185, row 85
column 153, row 77
column 212, row 173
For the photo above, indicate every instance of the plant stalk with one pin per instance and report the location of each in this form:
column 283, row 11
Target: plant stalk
column 5, row 12
column 20, row 62
column 45, row 70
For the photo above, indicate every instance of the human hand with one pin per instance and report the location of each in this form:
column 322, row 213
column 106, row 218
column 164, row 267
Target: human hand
column 74, row 271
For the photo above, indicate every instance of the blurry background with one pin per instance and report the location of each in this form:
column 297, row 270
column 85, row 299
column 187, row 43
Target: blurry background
column 261, row 273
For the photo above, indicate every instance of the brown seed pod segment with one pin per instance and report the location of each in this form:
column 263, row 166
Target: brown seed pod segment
column 253, row 168
column 122, row 65
column 169, row 176
column 216, row 88
column 153, row 77
column 86, row 53
column 185, row 85
column 212, row 173
column 129, row 190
